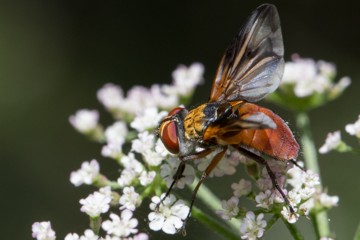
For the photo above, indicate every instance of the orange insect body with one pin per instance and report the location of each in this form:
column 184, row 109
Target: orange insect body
column 278, row 143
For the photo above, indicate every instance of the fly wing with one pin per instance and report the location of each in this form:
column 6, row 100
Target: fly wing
column 255, row 120
column 229, row 129
column 253, row 64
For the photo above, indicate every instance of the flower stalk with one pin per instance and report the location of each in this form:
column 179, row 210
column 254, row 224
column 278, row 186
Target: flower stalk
column 293, row 230
column 320, row 218
column 95, row 224
column 213, row 224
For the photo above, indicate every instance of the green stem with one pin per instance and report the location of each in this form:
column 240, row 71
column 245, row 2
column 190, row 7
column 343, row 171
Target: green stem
column 95, row 224
column 357, row 234
column 213, row 224
column 293, row 230
column 102, row 181
column 309, row 150
column 271, row 221
column 320, row 219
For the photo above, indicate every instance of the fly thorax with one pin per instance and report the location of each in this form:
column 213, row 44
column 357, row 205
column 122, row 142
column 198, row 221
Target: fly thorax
column 198, row 119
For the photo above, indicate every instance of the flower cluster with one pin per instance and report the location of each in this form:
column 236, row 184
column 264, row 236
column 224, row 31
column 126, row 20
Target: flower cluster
column 301, row 188
column 43, row 231
column 308, row 84
column 144, row 163
column 147, row 169
column 333, row 140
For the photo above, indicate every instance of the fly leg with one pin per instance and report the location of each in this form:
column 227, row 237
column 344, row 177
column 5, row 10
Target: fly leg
column 180, row 170
column 207, row 171
column 262, row 161
column 296, row 164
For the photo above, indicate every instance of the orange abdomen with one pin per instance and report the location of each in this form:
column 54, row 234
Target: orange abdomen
column 278, row 143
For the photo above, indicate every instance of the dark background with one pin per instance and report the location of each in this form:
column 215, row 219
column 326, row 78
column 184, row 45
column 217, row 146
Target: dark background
column 54, row 55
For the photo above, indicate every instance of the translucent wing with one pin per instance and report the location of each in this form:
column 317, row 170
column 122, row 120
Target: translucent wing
column 231, row 128
column 253, row 64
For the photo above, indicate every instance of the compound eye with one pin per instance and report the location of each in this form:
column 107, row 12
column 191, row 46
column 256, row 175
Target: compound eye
column 168, row 133
column 169, row 137
column 175, row 111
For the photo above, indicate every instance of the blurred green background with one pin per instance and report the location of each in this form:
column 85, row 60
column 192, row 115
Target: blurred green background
column 54, row 55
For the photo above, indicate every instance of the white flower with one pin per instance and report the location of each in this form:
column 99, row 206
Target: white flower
column 326, row 68
column 310, row 179
column 121, row 226
column 187, row 78
column 163, row 99
column 230, row 208
column 264, row 199
column 126, row 177
column 328, row 201
column 252, row 228
column 354, row 128
column 147, row 177
column 170, row 215
column 289, row 216
column 341, row 85
column 116, row 133
column 43, row 231
column 296, row 177
column 97, row 202
column 307, row 206
column 161, row 149
column 72, row 236
column 89, row 235
column 242, row 188
column 310, row 77
column 299, row 68
column 108, row 237
column 148, row 119
column 132, row 169
column 277, row 197
column 227, row 165
column 139, row 236
column 112, row 150
column 304, row 183
column 131, row 163
column 111, row 96
column 307, row 77
column 86, row 174
column 138, row 98
column 332, row 141
column 84, row 120
column 294, row 197
column 152, row 158
column 130, row 199
column 143, row 143
column 169, row 169
column 306, row 192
